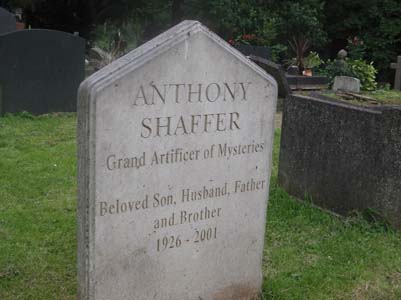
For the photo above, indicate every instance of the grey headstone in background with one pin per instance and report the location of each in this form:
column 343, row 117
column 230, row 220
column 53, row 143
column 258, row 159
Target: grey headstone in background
column 259, row 51
column 277, row 72
column 174, row 160
column 347, row 84
column 8, row 22
column 40, row 70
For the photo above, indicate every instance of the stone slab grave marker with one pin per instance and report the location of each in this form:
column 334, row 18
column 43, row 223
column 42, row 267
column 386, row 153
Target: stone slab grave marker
column 8, row 22
column 397, row 67
column 174, row 161
column 347, row 84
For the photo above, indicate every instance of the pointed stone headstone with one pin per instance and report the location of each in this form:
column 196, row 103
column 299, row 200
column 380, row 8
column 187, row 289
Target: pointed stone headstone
column 175, row 146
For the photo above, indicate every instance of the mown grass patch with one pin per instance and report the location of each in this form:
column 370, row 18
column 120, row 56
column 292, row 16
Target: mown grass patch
column 38, row 207
column 309, row 254
column 380, row 97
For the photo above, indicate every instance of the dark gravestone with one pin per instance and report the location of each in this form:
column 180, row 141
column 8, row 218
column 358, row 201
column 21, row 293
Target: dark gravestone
column 7, row 21
column 260, row 51
column 342, row 157
column 293, row 70
column 40, row 71
column 277, row 72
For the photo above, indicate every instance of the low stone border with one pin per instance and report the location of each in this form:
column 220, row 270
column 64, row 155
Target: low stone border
column 342, row 157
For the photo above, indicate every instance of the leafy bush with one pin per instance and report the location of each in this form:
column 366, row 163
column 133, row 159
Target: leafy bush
column 107, row 35
column 356, row 48
column 365, row 72
column 333, row 68
column 302, row 27
column 375, row 22
column 312, row 60
column 278, row 52
column 360, row 69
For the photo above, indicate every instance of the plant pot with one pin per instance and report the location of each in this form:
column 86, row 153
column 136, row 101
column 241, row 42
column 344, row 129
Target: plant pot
column 20, row 26
column 307, row 72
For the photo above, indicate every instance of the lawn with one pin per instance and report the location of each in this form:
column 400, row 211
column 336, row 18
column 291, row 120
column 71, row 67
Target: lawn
column 379, row 97
column 309, row 254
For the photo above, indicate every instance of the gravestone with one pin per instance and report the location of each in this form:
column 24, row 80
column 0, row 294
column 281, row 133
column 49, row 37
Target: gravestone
column 347, row 84
column 7, row 21
column 397, row 67
column 40, row 71
column 174, row 161
column 300, row 82
column 259, row 51
column 277, row 72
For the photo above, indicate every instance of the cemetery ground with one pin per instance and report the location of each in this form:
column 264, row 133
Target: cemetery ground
column 309, row 254
column 378, row 97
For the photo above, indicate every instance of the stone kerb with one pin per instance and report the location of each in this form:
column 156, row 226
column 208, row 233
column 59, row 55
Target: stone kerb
column 344, row 157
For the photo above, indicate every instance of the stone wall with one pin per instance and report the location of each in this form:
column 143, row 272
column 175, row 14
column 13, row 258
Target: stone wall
column 343, row 157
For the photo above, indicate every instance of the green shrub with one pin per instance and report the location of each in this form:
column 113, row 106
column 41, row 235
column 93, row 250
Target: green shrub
column 333, row 68
column 105, row 36
column 356, row 49
column 365, row 72
column 278, row 52
column 312, row 61
column 360, row 69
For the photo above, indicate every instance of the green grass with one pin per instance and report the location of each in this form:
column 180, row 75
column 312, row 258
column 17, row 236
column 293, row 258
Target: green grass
column 309, row 254
column 392, row 97
column 37, row 207
column 382, row 97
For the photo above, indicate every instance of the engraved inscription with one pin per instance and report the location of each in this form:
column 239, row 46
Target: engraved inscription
column 193, row 124
column 178, row 93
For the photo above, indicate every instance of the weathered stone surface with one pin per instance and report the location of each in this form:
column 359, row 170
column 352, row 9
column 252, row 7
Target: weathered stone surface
column 345, row 158
column 177, row 212
column 277, row 72
column 299, row 82
column 40, row 71
column 397, row 78
column 347, row 84
column 260, row 51
column 8, row 22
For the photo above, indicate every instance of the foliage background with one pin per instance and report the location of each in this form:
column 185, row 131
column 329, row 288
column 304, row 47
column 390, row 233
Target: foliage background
column 327, row 25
